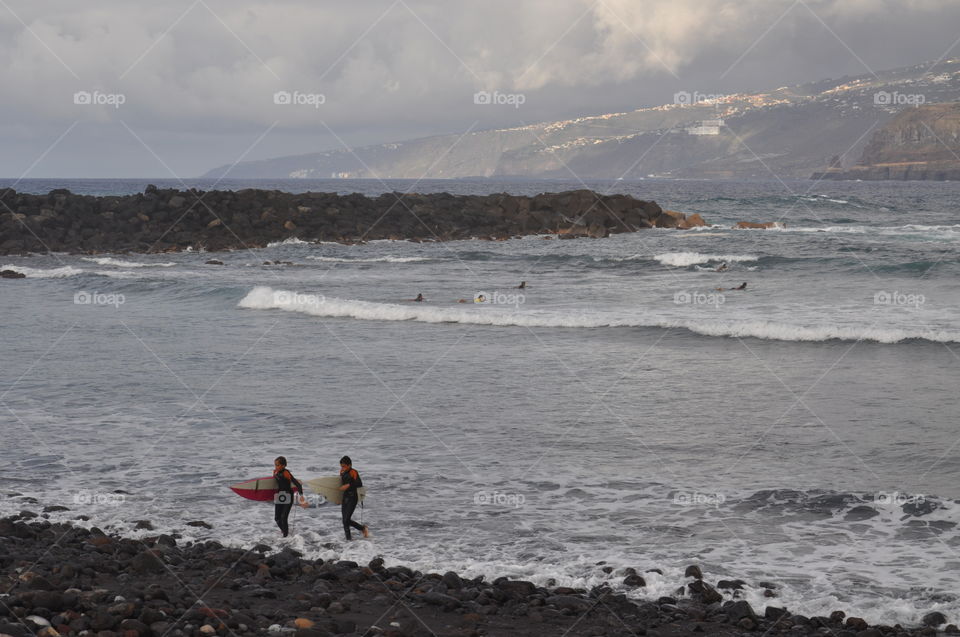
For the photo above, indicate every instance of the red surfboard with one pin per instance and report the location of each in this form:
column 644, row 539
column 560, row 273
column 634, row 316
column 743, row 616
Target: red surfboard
column 259, row 489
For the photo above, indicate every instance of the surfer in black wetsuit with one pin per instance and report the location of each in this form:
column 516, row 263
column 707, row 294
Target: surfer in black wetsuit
column 283, row 501
column 350, row 482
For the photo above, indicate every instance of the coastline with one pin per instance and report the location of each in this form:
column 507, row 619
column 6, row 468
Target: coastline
column 62, row 579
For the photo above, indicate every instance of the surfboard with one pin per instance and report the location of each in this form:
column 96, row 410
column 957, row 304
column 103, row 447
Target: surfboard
column 329, row 488
column 259, row 489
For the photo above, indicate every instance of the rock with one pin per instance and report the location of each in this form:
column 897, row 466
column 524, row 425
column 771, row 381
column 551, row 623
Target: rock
column 303, row 622
column 703, row 592
column 774, row 613
column 736, row 584
column 215, row 223
column 213, row 262
column 289, row 225
column 856, row 623
column 693, row 571
column 569, row 602
column 11, row 274
column 693, row 221
column 143, row 524
column 200, row 523
column 634, row 581
column 207, row 629
column 858, row 513
column 739, row 610
column 452, row 580
column 951, row 629
column 176, row 201
column 934, row 619
column 146, row 562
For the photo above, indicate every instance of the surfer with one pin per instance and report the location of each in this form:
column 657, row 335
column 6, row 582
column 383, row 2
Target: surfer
column 742, row 286
column 722, row 267
column 283, row 501
column 419, row 299
column 350, row 482
column 522, row 286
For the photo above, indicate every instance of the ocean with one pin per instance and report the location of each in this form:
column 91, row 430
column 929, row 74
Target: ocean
column 627, row 408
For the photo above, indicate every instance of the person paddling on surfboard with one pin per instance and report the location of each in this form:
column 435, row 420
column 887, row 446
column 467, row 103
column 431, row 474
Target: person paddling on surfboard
column 283, row 501
column 350, row 482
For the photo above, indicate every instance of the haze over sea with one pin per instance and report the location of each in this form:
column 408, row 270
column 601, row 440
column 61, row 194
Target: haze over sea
column 619, row 411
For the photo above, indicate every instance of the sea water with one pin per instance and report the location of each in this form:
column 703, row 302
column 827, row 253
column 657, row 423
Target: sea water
column 625, row 408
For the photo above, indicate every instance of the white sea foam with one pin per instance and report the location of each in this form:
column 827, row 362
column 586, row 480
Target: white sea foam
column 292, row 241
column 686, row 259
column 371, row 260
column 40, row 273
column 266, row 298
column 126, row 264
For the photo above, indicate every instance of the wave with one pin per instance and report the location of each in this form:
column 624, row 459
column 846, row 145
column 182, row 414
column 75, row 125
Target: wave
column 292, row 241
column 126, row 264
column 371, row 260
column 686, row 259
column 266, row 298
column 39, row 273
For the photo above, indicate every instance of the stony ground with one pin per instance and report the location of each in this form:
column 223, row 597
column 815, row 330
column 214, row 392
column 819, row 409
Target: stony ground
column 58, row 579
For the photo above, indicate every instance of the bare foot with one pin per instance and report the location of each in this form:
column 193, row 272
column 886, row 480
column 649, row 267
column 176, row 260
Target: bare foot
column 366, row 532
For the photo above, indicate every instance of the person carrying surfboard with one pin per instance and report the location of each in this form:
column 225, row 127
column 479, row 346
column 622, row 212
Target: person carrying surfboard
column 283, row 501
column 350, row 482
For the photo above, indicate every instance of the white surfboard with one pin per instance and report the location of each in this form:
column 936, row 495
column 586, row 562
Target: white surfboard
column 329, row 488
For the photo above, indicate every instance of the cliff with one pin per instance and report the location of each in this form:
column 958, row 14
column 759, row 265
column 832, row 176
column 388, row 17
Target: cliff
column 921, row 143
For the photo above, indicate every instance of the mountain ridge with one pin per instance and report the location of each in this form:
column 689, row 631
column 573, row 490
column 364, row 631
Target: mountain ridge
column 788, row 132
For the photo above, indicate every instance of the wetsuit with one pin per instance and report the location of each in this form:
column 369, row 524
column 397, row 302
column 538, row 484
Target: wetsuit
column 350, row 499
column 283, row 501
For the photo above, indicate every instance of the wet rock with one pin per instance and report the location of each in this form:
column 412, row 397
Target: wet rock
column 634, row 581
column 859, row 513
column 12, row 274
column 934, row 619
column 569, row 602
column 736, row 584
column 199, row 523
column 740, row 610
column 693, row 571
column 703, row 592
column 856, row 623
column 452, row 581
column 213, row 262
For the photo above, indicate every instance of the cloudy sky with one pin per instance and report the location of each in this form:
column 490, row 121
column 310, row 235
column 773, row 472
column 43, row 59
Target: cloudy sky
column 138, row 88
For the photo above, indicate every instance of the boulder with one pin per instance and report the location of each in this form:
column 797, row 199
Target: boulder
column 693, row 221
column 12, row 274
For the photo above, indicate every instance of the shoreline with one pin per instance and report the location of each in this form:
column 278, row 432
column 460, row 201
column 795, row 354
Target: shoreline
column 76, row 581
column 160, row 221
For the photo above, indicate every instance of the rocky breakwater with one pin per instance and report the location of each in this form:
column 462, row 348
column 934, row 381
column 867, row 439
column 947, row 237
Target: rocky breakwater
column 59, row 579
column 170, row 220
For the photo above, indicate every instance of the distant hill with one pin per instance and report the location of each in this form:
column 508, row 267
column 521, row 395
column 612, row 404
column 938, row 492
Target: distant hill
column 920, row 143
column 787, row 132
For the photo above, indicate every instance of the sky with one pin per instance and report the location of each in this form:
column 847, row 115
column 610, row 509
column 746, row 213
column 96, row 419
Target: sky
column 137, row 88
